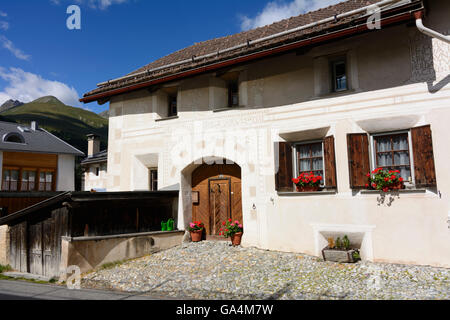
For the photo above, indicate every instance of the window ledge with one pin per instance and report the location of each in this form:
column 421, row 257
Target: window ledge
column 304, row 194
column 167, row 119
column 405, row 191
column 229, row 109
column 333, row 94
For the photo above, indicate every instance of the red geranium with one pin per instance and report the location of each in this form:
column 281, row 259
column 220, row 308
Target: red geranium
column 384, row 180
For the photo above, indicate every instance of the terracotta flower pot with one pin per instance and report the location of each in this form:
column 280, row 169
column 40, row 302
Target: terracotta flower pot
column 398, row 186
column 236, row 239
column 308, row 189
column 196, row 236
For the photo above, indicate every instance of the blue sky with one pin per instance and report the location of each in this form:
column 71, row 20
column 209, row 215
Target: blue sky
column 40, row 56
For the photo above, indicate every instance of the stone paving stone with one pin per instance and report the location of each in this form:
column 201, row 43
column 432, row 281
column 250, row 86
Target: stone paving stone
column 216, row 270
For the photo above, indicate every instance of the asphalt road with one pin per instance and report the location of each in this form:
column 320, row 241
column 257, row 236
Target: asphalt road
column 22, row 290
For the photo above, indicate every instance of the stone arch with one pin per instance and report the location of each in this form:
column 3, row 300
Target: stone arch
column 202, row 174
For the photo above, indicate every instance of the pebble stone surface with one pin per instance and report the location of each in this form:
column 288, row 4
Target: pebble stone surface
column 217, row 271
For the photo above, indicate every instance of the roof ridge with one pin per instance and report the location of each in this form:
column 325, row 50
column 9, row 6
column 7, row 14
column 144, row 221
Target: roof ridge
column 279, row 22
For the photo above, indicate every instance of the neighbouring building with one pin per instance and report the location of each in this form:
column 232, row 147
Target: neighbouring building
column 35, row 165
column 230, row 121
column 94, row 166
column 33, row 159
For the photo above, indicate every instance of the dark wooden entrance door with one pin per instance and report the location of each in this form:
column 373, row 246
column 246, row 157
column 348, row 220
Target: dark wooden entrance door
column 219, row 195
column 220, row 205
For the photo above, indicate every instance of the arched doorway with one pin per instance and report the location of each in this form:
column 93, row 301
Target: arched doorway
column 217, row 195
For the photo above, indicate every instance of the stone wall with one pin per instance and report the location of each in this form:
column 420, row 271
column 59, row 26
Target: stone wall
column 93, row 252
column 4, row 245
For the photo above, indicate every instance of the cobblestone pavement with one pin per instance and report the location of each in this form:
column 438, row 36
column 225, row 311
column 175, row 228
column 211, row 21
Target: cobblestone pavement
column 216, row 270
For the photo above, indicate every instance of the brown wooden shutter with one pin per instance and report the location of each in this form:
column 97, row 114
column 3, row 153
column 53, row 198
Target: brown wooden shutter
column 330, row 162
column 358, row 159
column 283, row 177
column 422, row 147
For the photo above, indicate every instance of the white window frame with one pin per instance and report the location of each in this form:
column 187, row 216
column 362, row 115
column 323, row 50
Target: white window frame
column 294, row 158
column 334, row 62
column 373, row 155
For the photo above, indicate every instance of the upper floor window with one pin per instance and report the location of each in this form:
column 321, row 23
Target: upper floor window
column 153, row 177
column 392, row 152
column 10, row 180
column 173, row 108
column 339, row 74
column 25, row 179
column 233, row 93
column 46, row 180
column 13, row 137
column 28, row 180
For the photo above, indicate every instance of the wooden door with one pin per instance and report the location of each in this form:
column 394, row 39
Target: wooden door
column 35, row 236
column 48, row 248
column 219, row 200
column 213, row 206
column 18, row 247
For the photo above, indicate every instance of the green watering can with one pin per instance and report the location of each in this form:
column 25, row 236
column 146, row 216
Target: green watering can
column 167, row 226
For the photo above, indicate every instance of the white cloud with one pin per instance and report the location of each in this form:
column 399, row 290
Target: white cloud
column 26, row 87
column 95, row 4
column 3, row 14
column 4, row 25
column 276, row 11
column 19, row 54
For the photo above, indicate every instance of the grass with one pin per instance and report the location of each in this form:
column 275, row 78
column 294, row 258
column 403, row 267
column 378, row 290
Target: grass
column 3, row 277
column 6, row 268
column 111, row 265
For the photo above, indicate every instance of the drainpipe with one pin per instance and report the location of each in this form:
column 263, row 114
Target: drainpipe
column 427, row 31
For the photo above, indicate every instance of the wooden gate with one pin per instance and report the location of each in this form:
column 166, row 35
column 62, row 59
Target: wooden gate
column 36, row 246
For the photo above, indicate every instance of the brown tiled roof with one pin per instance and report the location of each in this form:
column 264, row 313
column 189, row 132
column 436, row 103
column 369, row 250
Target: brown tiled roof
column 212, row 46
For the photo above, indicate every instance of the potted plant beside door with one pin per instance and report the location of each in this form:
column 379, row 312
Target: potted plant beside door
column 233, row 230
column 196, row 229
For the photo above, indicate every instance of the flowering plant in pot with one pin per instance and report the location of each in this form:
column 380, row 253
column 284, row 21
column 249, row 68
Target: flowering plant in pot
column 196, row 229
column 340, row 250
column 233, row 230
column 385, row 180
column 307, row 182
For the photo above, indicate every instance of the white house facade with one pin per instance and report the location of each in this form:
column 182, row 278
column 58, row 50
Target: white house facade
column 231, row 133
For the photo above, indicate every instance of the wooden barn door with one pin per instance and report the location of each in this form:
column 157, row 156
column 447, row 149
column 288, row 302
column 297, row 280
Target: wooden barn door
column 35, row 241
column 220, row 204
column 18, row 247
column 48, row 248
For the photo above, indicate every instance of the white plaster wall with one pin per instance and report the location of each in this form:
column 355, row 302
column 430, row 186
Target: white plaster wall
column 65, row 180
column 1, row 168
column 91, row 181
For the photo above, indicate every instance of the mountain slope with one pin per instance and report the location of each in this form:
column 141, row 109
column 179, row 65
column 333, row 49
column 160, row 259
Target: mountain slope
column 10, row 104
column 68, row 123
